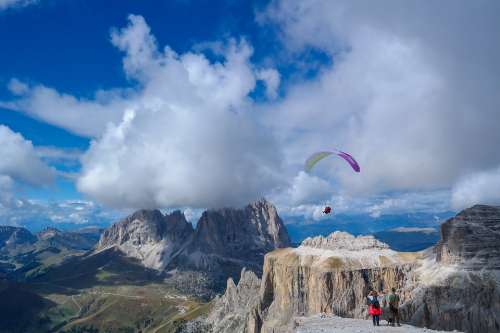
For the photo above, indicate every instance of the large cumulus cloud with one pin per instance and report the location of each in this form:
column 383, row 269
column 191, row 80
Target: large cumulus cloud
column 190, row 138
column 481, row 187
column 19, row 161
column 412, row 92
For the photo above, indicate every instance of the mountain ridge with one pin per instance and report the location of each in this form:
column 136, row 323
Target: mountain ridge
column 222, row 243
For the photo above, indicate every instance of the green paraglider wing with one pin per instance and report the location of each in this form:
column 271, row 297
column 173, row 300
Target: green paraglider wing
column 315, row 158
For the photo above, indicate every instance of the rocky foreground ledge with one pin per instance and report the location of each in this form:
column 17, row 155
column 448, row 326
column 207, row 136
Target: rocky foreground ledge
column 334, row 324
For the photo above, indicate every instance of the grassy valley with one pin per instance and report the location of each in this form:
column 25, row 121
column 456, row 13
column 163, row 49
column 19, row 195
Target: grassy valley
column 54, row 282
column 108, row 292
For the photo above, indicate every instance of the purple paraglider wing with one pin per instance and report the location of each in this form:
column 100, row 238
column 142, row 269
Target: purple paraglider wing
column 316, row 157
column 352, row 162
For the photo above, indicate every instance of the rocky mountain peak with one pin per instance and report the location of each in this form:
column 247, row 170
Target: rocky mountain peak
column 48, row 232
column 146, row 215
column 11, row 236
column 340, row 240
column 145, row 226
column 149, row 236
column 240, row 233
column 471, row 238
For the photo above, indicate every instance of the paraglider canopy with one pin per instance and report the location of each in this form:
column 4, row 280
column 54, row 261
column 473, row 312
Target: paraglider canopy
column 316, row 157
column 327, row 210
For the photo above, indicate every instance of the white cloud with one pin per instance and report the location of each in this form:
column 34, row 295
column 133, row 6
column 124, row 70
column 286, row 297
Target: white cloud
column 4, row 4
column 6, row 185
column 415, row 229
column 78, row 115
column 431, row 202
column 192, row 215
column 56, row 154
column 412, row 93
column 19, row 160
column 478, row 188
column 17, row 87
column 305, row 189
column 272, row 79
column 192, row 141
column 39, row 214
column 153, row 73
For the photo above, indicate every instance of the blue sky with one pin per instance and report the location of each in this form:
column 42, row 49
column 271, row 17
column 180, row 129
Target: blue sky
column 199, row 104
column 66, row 45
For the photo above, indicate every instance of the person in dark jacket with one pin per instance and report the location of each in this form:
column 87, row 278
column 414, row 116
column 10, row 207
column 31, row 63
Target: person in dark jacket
column 374, row 308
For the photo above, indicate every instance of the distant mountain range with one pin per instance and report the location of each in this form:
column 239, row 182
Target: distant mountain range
column 409, row 239
column 384, row 227
column 23, row 254
column 147, row 271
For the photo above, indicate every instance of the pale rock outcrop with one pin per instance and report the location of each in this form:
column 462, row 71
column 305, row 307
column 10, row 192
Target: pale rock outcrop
column 344, row 241
column 237, row 234
column 459, row 279
column 226, row 240
column 232, row 310
column 149, row 236
column 471, row 239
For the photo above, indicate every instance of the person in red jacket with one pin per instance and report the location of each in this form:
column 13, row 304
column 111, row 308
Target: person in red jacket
column 374, row 308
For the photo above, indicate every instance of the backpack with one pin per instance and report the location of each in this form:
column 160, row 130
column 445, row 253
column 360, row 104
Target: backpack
column 394, row 300
column 376, row 304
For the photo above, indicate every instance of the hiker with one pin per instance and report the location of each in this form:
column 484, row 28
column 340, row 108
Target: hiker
column 374, row 308
column 385, row 308
column 393, row 299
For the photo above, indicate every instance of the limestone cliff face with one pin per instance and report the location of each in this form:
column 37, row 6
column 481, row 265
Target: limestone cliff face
column 459, row 279
column 469, row 303
column 149, row 236
column 472, row 239
column 334, row 276
column 233, row 311
column 240, row 233
column 226, row 240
